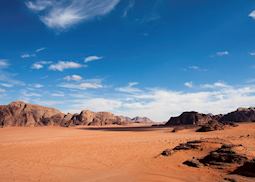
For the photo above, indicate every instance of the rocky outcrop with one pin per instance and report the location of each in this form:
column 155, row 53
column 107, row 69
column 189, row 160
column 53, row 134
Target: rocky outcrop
column 143, row 120
column 23, row 114
column 90, row 118
column 190, row 118
column 240, row 115
column 226, row 154
column 190, row 145
column 247, row 169
column 214, row 125
column 216, row 121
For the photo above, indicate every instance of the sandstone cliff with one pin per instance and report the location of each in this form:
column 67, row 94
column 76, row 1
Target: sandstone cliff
column 23, row 114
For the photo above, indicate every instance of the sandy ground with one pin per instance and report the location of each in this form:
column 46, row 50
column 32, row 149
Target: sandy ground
column 107, row 154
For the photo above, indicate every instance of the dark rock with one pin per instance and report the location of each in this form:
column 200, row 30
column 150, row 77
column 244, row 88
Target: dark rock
column 167, row 152
column 193, row 163
column 230, row 180
column 212, row 125
column 247, row 169
column 189, row 118
column 196, row 144
column 240, row 115
column 224, row 155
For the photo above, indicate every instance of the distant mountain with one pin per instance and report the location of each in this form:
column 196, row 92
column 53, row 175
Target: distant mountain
column 144, row 120
column 23, row 114
column 195, row 118
column 240, row 115
column 190, row 118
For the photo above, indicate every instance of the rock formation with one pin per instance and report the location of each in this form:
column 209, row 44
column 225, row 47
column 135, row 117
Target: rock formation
column 22, row 114
column 216, row 121
column 247, row 169
column 190, row 118
column 143, row 120
column 240, row 115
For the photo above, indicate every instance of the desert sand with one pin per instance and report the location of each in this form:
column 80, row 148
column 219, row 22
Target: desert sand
column 108, row 154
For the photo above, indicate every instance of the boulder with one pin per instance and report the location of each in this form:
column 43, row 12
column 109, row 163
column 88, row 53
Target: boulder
column 247, row 169
column 193, row 163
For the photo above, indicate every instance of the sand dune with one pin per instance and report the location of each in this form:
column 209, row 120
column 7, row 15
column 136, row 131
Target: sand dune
column 108, row 154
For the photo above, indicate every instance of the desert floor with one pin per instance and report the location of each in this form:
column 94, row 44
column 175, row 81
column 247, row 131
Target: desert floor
column 107, row 154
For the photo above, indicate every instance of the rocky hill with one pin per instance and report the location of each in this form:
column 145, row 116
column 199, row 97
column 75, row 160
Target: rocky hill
column 190, row 118
column 240, row 115
column 143, row 120
column 23, row 114
column 195, row 118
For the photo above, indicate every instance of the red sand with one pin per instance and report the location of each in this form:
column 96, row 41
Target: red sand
column 110, row 154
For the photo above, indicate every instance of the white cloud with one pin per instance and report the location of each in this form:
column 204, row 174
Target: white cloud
column 73, row 78
column 160, row 104
column 188, row 84
column 30, row 94
column 252, row 53
column 37, row 85
column 40, row 64
column 3, row 63
column 129, row 88
column 96, row 104
column 40, row 49
column 7, row 85
column 62, row 65
column 252, row 14
column 58, row 94
column 83, row 85
column 2, row 90
column 130, row 5
column 9, row 79
column 63, row 14
column 37, row 66
column 216, row 85
column 39, row 5
column 27, row 55
column 195, row 68
column 222, row 53
column 92, row 58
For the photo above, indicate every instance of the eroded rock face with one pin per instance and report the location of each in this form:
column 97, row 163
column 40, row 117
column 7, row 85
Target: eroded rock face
column 212, row 125
column 190, row 118
column 240, row 115
column 144, row 120
column 23, row 114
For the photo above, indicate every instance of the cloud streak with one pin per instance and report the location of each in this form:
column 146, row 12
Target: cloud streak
column 62, row 65
column 64, row 14
column 92, row 58
column 4, row 63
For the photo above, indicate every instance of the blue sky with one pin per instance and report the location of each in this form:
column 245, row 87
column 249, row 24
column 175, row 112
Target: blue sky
column 153, row 58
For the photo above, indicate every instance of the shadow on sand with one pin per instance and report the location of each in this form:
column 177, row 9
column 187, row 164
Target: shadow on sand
column 128, row 128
